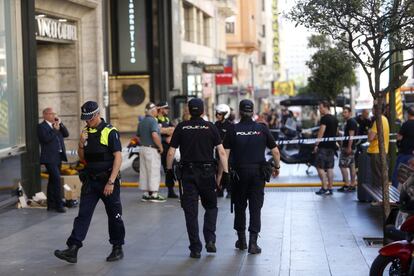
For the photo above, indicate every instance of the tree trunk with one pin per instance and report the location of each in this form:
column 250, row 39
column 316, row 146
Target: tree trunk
column 383, row 157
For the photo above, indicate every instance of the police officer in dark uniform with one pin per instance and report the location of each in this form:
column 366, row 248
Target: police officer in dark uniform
column 166, row 129
column 224, row 126
column 100, row 147
column 248, row 142
column 197, row 139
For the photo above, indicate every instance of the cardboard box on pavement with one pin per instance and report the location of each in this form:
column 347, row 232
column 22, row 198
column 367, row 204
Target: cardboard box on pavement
column 71, row 186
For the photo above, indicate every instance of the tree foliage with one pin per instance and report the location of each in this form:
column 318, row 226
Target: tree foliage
column 366, row 27
column 332, row 68
column 374, row 31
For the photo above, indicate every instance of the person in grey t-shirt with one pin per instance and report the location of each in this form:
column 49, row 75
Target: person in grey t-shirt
column 150, row 155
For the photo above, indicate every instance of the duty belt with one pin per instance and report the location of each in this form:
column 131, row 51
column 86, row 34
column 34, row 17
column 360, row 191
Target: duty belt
column 197, row 164
column 247, row 166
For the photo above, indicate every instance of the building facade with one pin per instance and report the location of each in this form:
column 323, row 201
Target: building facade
column 250, row 52
column 202, row 43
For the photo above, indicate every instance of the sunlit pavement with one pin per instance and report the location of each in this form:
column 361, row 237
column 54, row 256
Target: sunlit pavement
column 302, row 234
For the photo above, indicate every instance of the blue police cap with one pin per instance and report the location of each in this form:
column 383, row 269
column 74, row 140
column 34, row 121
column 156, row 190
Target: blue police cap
column 163, row 105
column 88, row 110
column 246, row 105
column 196, row 107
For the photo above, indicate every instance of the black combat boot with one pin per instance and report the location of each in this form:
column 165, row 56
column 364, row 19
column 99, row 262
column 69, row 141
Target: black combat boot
column 70, row 254
column 211, row 247
column 241, row 242
column 195, row 255
column 171, row 193
column 253, row 247
column 116, row 254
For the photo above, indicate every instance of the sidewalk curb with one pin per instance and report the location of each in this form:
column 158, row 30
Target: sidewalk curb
column 268, row 185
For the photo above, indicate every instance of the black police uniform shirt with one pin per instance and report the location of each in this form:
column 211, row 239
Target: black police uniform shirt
column 247, row 142
column 406, row 145
column 223, row 127
column 164, row 121
column 351, row 124
column 331, row 130
column 196, row 139
column 363, row 125
column 114, row 145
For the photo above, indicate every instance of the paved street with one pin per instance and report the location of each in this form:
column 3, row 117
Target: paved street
column 302, row 234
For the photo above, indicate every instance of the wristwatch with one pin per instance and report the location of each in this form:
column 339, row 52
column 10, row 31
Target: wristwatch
column 277, row 167
column 110, row 182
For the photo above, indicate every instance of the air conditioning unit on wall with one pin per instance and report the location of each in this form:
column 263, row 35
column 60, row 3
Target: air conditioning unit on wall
column 128, row 97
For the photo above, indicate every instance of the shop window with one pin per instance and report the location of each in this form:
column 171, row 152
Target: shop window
column 11, row 80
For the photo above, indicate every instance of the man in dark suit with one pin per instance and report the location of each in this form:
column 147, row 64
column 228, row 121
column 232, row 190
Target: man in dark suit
column 51, row 133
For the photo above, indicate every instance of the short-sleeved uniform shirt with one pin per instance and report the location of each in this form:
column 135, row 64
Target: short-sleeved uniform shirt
column 145, row 129
column 196, row 139
column 407, row 142
column 114, row 145
column 247, row 142
column 331, row 130
column 351, row 124
column 223, row 128
column 373, row 146
column 363, row 125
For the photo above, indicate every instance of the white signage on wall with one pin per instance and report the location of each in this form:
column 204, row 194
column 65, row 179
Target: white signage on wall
column 131, row 23
column 54, row 30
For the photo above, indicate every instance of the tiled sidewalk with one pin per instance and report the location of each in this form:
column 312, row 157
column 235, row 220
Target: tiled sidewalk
column 302, row 234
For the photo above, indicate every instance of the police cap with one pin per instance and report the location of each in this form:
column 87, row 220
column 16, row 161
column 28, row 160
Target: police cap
column 150, row 106
column 196, row 107
column 88, row 110
column 246, row 106
column 163, row 105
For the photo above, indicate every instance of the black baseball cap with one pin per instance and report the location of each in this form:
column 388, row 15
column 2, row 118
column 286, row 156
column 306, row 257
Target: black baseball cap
column 196, row 107
column 246, row 105
column 88, row 110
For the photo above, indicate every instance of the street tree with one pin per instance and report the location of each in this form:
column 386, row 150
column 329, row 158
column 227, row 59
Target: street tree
column 332, row 68
column 374, row 31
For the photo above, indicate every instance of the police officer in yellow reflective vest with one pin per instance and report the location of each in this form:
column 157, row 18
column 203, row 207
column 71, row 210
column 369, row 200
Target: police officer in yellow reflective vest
column 100, row 147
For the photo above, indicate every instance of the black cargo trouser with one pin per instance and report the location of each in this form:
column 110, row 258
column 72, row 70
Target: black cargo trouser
column 199, row 182
column 169, row 181
column 90, row 196
column 248, row 188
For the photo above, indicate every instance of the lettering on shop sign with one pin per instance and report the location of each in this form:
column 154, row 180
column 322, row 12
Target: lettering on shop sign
column 131, row 23
column 249, row 133
column 54, row 30
column 195, row 127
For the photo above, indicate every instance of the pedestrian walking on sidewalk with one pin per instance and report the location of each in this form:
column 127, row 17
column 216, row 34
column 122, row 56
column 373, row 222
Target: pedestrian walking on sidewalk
column 100, row 147
column 166, row 129
column 347, row 157
column 51, row 133
column 247, row 142
column 325, row 151
column 150, row 155
column 197, row 139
